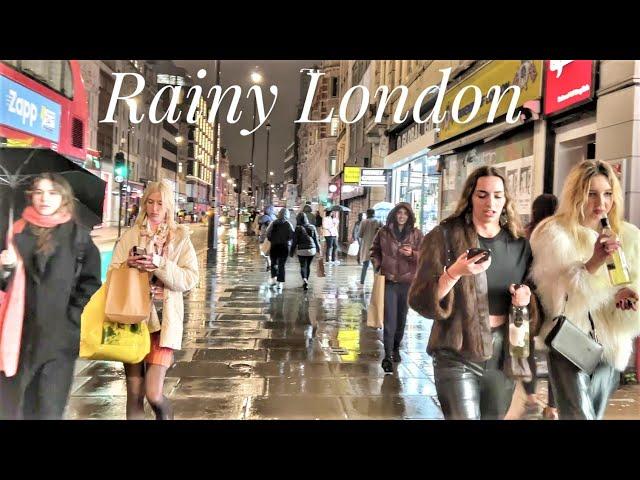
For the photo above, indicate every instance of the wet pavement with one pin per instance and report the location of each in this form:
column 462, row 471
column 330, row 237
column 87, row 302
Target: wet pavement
column 251, row 352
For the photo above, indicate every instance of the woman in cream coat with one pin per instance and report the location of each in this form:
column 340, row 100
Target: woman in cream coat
column 171, row 260
column 570, row 255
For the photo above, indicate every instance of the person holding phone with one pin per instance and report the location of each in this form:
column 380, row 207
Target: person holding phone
column 156, row 244
column 468, row 272
column 394, row 254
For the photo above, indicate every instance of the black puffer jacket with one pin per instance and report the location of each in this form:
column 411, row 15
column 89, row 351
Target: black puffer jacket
column 280, row 232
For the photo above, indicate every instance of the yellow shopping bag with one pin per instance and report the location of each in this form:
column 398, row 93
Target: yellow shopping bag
column 101, row 339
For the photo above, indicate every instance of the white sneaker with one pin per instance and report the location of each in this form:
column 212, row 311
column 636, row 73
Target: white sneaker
column 337, row 262
column 280, row 286
column 272, row 281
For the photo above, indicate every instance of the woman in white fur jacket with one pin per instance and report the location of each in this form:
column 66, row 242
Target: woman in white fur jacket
column 569, row 258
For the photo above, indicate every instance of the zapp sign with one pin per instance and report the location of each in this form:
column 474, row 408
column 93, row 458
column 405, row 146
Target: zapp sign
column 568, row 82
column 28, row 111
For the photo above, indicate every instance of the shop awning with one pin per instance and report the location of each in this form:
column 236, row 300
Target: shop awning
column 486, row 134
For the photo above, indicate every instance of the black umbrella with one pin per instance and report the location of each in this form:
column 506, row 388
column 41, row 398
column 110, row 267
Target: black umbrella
column 18, row 168
column 339, row 208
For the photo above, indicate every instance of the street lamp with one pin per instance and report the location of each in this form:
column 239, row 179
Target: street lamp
column 256, row 78
column 266, row 177
column 132, row 104
column 179, row 139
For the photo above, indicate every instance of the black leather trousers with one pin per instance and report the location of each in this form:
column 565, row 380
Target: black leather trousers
column 473, row 390
column 580, row 396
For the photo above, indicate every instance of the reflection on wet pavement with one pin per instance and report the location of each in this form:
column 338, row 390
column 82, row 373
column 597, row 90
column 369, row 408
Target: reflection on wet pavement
column 250, row 352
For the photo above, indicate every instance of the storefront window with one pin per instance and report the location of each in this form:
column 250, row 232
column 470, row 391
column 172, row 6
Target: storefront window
column 417, row 184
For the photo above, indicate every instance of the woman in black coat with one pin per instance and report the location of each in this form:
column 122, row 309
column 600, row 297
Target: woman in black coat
column 279, row 233
column 306, row 245
column 58, row 267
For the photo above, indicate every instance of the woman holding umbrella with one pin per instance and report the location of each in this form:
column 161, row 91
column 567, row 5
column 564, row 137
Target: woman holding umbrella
column 53, row 269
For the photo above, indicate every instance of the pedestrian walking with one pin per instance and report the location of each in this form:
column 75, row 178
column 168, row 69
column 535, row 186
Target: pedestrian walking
column 366, row 233
column 53, row 268
column 309, row 214
column 280, row 234
column 394, row 254
column 305, row 245
column 164, row 249
column 355, row 235
column 330, row 225
column 469, row 294
column 543, row 207
column 264, row 221
column 571, row 256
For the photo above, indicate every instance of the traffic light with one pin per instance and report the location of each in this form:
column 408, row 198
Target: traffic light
column 120, row 165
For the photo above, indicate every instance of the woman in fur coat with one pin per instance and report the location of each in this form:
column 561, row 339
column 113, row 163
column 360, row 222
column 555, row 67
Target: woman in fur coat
column 469, row 297
column 570, row 254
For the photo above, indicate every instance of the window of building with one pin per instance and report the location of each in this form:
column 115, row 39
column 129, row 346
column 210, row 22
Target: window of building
column 335, row 125
column 334, row 86
column 333, row 164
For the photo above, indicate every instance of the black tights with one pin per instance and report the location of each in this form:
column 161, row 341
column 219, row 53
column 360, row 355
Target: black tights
column 146, row 381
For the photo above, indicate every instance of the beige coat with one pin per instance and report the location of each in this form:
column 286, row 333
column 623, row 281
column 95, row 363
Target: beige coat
column 179, row 273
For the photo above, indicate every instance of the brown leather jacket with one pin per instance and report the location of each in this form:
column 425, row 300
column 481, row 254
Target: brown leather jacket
column 462, row 316
column 385, row 254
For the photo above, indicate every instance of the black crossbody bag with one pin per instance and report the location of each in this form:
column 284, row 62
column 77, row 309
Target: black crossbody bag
column 581, row 349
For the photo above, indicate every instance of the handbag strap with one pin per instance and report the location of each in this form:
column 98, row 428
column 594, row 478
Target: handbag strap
column 592, row 334
column 593, row 328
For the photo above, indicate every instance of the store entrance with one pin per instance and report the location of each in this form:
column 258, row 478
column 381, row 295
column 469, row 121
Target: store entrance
column 570, row 152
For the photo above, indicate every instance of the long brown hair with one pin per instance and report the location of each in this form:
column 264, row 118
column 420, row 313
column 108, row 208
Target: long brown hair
column 509, row 218
column 43, row 235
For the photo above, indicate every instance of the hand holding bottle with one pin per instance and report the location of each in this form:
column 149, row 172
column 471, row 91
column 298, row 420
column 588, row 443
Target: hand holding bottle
column 605, row 245
column 520, row 295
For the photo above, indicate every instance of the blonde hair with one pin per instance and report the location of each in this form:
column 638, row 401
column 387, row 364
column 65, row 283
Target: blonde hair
column 510, row 221
column 167, row 194
column 575, row 195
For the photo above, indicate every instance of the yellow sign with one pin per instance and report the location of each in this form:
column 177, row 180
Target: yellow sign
column 526, row 74
column 351, row 175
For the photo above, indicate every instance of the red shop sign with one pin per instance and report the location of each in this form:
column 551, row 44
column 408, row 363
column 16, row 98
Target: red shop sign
column 567, row 83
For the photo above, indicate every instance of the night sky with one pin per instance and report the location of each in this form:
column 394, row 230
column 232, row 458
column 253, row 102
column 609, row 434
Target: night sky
column 283, row 73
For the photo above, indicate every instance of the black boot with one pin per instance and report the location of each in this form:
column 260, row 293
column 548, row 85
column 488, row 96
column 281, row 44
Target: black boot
column 387, row 366
column 163, row 410
column 395, row 356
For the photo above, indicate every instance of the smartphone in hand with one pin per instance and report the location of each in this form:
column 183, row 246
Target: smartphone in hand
column 473, row 252
column 139, row 251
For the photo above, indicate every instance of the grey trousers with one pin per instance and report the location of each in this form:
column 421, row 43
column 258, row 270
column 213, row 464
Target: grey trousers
column 473, row 390
column 580, row 396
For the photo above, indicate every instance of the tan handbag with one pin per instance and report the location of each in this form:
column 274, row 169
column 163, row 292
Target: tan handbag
column 128, row 295
column 375, row 313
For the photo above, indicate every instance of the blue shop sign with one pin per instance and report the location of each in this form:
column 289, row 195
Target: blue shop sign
column 28, row 111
